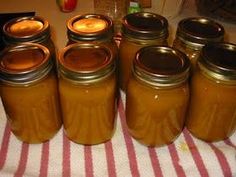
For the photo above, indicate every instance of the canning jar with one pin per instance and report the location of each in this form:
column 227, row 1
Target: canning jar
column 29, row 92
column 213, row 100
column 157, row 95
column 139, row 30
column 32, row 29
column 87, row 87
column 193, row 33
column 93, row 28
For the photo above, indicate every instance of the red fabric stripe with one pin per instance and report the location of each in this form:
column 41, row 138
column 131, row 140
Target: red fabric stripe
column 222, row 160
column 23, row 160
column 155, row 162
column 4, row 145
column 175, row 160
column 44, row 160
column 88, row 161
column 228, row 142
column 128, row 142
column 110, row 159
column 195, row 153
column 66, row 157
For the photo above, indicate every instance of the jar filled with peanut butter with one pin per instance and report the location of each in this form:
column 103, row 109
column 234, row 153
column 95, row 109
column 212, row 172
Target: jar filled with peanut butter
column 32, row 29
column 139, row 30
column 88, row 93
column 29, row 92
column 92, row 28
column 213, row 100
column 193, row 33
column 157, row 95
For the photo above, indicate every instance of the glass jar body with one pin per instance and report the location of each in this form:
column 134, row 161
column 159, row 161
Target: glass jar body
column 155, row 116
column 33, row 110
column 89, row 111
column 127, row 50
column 211, row 119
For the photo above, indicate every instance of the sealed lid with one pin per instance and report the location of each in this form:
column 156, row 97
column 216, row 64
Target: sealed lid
column 89, row 27
column 26, row 29
column 161, row 66
column 218, row 60
column 199, row 31
column 145, row 25
column 24, row 64
column 86, row 63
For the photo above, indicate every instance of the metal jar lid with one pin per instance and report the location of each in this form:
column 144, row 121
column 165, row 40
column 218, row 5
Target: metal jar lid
column 198, row 31
column 160, row 66
column 218, row 60
column 86, row 63
column 89, row 27
column 145, row 25
column 24, row 64
column 26, row 29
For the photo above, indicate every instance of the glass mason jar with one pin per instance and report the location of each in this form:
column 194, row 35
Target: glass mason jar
column 29, row 92
column 213, row 100
column 157, row 95
column 88, row 93
column 32, row 29
column 93, row 28
column 193, row 33
column 139, row 30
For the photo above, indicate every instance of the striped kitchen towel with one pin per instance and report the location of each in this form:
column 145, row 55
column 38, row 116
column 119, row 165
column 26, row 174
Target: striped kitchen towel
column 120, row 157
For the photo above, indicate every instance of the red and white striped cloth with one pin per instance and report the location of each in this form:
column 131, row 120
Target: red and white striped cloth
column 120, row 157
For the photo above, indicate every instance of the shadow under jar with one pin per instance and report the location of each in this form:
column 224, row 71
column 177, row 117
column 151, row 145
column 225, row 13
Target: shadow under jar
column 213, row 93
column 157, row 95
column 93, row 28
column 88, row 93
column 29, row 92
column 139, row 30
column 193, row 33
column 32, row 29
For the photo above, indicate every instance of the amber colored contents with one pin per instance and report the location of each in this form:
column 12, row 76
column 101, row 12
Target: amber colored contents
column 155, row 116
column 212, row 109
column 89, row 110
column 33, row 111
column 127, row 53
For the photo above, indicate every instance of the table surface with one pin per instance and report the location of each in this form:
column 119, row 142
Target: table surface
column 122, row 156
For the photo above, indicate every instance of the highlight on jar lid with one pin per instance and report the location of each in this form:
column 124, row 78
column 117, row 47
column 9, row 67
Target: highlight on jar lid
column 200, row 30
column 161, row 66
column 86, row 63
column 218, row 60
column 25, row 63
column 25, row 28
column 90, row 26
column 145, row 25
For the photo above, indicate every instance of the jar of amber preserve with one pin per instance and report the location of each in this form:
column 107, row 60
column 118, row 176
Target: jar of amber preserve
column 93, row 28
column 213, row 100
column 157, row 95
column 139, row 30
column 29, row 92
column 87, row 89
column 32, row 29
column 193, row 33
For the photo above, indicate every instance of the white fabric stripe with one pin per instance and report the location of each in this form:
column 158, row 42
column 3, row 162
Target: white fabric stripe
column 3, row 121
column 77, row 159
column 229, row 153
column 185, row 157
column 34, row 160
column 99, row 160
column 209, row 158
column 143, row 160
column 120, row 152
column 12, row 161
column 55, row 155
column 232, row 138
column 165, row 161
